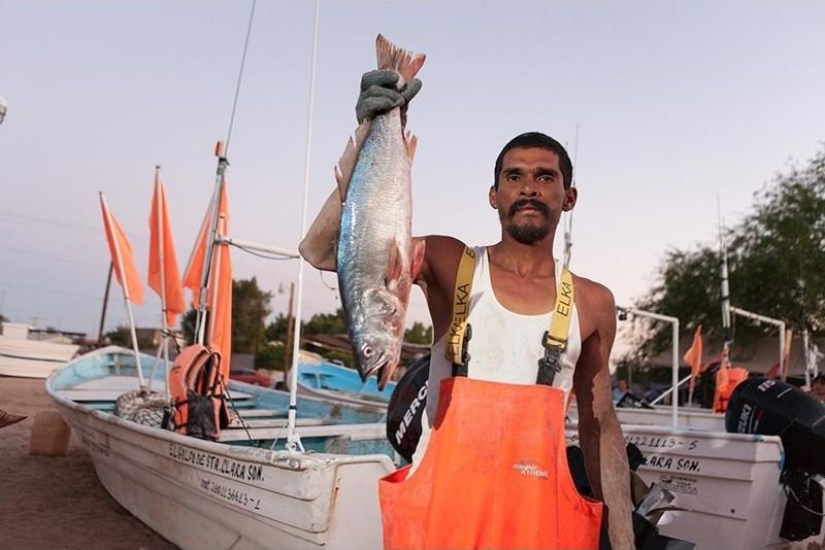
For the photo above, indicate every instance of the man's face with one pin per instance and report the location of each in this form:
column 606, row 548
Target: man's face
column 531, row 194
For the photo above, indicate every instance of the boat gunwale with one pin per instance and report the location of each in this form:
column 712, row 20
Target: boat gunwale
column 294, row 460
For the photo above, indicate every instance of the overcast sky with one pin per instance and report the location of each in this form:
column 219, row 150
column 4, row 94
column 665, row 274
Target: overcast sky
column 665, row 108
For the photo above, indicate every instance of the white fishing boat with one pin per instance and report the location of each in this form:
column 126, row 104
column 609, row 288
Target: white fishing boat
column 737, row 491
column 246, row 490
column 728, row 487
column 25, row 356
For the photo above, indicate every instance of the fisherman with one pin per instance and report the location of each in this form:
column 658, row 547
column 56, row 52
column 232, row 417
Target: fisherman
column 490, row 428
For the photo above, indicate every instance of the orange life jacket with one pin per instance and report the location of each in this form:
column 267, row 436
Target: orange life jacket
column 196, row 372
column 726, row 380
column 494, row 475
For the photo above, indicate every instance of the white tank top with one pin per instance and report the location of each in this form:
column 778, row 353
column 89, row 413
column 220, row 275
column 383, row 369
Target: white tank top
column 505, row 346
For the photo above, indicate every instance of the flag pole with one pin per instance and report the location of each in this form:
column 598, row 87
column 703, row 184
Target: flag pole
column 105, row 304
column 125, row 288
column 162, row 258
column 293, row 439
column 725, row 291
column 220, row 181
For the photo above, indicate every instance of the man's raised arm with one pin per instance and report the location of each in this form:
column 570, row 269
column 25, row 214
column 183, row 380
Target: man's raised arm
column 318, row 245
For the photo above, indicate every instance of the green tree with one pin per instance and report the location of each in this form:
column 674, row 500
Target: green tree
column 187, row 324
column 277, row 329
column 270, row 358
column 122, row 336
column 776, row 257
column 419, row 334
column 326, row 323
column 250, row 308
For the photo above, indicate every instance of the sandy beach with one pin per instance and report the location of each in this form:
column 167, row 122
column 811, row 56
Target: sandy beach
column 57, row 502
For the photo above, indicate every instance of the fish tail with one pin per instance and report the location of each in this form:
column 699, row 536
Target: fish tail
column 393, row 58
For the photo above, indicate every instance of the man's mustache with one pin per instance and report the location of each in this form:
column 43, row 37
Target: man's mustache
column 538, row 205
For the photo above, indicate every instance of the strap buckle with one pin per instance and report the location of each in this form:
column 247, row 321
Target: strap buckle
column 550, row 363
column 461, row 369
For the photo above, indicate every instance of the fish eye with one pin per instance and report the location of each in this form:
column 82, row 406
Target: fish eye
column 367, row 351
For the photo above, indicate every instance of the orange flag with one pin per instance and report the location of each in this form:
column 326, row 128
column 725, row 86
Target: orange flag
column 220, row 300
column 693, row 357
column 219, row 291
column 164, row 276
column 122, row 259
column 193, row 276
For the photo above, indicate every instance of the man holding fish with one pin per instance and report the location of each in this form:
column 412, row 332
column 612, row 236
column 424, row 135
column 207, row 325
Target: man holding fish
column 515, row 335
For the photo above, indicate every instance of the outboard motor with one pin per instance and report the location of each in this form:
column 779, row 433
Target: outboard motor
column 406, row 407
column 771, row 407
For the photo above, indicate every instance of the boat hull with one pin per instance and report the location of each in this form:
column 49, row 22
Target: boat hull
column 203, row 494
column 726, row 486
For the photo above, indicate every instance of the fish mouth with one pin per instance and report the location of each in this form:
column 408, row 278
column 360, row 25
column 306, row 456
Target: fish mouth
column 376, row 367
column 381, row 372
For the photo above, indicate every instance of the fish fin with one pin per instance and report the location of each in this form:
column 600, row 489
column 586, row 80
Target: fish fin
column 411, row 142
column 418, row 248
column 346, row 165
column 393, row 58
column 393, row 264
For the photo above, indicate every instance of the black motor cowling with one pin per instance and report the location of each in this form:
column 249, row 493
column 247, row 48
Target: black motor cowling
column 771, row 407
column 406, row 408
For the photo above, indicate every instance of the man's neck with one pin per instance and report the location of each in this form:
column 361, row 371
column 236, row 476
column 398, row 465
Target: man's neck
column 524, row 259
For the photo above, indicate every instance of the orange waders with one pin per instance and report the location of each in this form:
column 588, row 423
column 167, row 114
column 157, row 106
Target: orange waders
column 494, row 475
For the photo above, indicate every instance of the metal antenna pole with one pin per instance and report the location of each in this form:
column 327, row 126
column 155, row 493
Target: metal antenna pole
column 293, row 439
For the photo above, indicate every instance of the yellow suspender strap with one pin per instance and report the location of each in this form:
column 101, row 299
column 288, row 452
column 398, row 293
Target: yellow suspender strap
column 555, row 339
column 459, row 332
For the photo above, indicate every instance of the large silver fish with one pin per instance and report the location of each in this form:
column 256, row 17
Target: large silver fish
column 376, row 259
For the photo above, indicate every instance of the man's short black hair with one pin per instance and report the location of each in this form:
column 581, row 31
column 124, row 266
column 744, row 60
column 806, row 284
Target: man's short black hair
column 818, row 379
column 538, row 140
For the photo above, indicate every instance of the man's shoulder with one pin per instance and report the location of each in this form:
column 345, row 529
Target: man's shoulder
column 595, row 296
column 596, row 307
column 441, row 256
column 591, row 287
column 443, row 243
column 441, row 250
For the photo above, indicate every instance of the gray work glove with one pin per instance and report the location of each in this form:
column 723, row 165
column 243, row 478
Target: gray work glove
column 379, row 94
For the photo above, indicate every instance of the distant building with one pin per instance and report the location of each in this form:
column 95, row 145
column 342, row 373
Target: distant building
column 26, row 331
